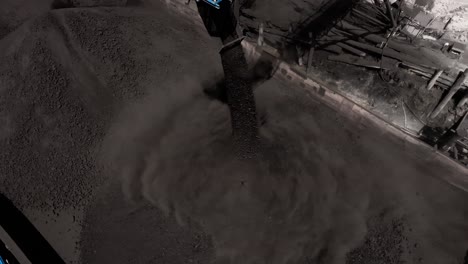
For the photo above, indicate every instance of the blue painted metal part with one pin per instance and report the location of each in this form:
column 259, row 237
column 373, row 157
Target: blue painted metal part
column 1, row 260
column 213, row 3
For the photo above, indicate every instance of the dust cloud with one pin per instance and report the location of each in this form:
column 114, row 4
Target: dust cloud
column 307, row 197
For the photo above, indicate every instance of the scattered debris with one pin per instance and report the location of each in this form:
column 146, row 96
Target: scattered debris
column 453, row 90
column 454, row 141
column 380, row 36
column 458, row 48
column 407, row 50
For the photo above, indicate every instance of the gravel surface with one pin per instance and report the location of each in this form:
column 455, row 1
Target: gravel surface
column 65, row 75
column 73, row 78
column 385, row 242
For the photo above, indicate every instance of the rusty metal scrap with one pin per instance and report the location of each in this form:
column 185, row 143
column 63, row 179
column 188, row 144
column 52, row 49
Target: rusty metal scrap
column 453, row 90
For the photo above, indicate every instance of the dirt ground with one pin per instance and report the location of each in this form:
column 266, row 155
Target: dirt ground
column 386, row 92
column 71, row 77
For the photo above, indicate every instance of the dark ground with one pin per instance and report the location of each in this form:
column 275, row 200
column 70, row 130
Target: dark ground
column 388, row 90
column 65, row 78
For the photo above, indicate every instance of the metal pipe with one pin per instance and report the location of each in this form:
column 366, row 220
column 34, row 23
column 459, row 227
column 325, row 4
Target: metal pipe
column 390, row 13
column 453, row 90
column 260, row 35
column 434, row 79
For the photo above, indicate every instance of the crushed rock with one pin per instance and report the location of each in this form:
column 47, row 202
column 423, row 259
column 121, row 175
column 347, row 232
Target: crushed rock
column 64, row 76
column 51, row 132
column 384, row 243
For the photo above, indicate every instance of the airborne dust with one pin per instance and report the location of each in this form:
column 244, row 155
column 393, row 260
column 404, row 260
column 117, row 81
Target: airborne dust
column 307, row 198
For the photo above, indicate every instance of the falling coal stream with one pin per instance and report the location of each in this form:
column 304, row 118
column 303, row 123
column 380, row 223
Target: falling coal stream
column 306, row 193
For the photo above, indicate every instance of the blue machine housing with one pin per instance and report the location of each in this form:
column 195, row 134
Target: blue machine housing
column 1, row 260
column 213, row 3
